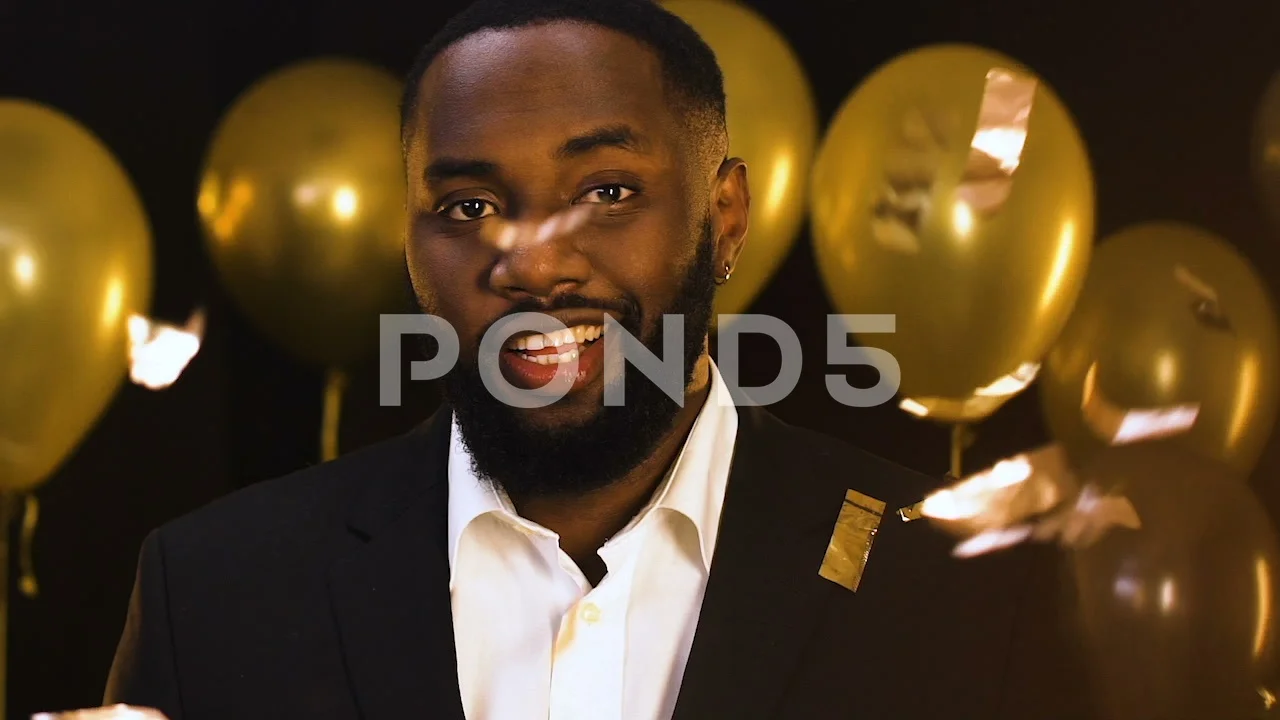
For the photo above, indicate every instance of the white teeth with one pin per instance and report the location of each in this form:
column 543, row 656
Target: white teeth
column 569, row 336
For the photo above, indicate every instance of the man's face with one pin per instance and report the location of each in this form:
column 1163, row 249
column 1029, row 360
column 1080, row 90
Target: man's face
column 518, row 126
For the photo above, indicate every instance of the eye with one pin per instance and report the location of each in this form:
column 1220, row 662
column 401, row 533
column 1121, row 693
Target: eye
column 470, row 209
column 607, row 194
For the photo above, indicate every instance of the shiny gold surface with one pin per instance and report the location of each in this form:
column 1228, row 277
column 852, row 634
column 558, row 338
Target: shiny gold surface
column 1263, row 606
column 75, row 262
column 954, row 191
column 1176, row 616
column 1171, row 316
column 981, row 403
column 851, row 540
column 773, row 126
column 302, row 202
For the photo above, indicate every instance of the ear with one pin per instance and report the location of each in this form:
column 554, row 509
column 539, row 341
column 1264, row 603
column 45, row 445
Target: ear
column 730, row 210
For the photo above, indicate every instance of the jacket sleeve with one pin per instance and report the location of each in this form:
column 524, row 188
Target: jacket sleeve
column 144, row 673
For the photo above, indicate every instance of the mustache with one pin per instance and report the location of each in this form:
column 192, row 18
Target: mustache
column 625, row 308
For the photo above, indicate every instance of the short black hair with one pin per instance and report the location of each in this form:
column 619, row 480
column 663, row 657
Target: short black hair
column 690, row 71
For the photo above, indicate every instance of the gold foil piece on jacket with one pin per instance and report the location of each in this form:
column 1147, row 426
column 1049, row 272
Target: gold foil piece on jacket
column 851, row 539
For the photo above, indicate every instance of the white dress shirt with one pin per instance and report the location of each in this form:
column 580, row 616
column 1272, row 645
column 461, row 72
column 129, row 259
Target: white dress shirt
column 535, row 641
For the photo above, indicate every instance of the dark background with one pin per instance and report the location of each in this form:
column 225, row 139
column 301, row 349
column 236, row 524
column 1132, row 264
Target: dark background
column 1164, row 93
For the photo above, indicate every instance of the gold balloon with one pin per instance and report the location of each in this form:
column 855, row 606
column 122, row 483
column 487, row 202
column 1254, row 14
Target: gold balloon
column 1176, row 618
column 75, row 264
column 1266, row 150
column 954, row 191
column 1171, row 320
column 302, row 203
column 773, row 126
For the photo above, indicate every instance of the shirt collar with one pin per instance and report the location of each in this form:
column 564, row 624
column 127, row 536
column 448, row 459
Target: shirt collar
column 694, row 488
column 469, row 496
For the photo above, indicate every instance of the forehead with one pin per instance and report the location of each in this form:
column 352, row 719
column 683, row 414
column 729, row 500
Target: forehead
column 539, row 84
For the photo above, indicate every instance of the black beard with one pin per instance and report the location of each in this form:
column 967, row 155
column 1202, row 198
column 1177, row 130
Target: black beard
column 527, row 460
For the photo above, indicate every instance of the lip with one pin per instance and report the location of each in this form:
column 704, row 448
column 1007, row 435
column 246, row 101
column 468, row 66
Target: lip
column 533, row 376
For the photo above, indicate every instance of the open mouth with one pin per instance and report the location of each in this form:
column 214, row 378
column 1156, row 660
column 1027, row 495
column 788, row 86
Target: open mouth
column 557, row 347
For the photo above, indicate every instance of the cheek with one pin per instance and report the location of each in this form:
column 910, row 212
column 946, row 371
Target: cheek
column 424, row 260
column 645, row 257
column 444, row 275
column 435, row 261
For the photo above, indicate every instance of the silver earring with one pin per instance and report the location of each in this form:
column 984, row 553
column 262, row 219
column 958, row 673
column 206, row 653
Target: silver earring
column 728, row 273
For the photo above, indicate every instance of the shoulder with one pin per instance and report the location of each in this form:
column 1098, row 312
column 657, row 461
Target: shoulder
column 817, row 455
column 297, row 509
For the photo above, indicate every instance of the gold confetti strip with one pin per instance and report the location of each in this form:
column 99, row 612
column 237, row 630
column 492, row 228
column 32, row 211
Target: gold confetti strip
column 851, row 540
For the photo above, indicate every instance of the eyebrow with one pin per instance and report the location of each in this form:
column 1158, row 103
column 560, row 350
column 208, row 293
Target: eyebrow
column 621, row 137
column 449, row 168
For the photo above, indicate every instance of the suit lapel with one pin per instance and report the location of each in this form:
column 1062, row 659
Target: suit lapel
column 764, row 600
column 764, row 596
column 390, row 592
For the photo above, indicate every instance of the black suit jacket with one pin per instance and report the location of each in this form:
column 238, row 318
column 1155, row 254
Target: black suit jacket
column 325, row 594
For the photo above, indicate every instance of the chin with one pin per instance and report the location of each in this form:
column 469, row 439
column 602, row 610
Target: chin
column 575, row 410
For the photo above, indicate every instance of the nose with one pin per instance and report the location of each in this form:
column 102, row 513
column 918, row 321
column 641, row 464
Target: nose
column 539, row 260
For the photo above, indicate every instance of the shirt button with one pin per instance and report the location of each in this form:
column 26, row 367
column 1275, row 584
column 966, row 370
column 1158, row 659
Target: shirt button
column 590, row 613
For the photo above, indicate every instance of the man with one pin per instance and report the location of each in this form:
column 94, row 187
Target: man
column 580, row 560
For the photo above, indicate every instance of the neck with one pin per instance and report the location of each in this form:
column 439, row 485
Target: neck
column 586, row 521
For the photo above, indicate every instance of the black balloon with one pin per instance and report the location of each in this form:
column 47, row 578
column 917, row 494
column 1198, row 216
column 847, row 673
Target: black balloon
column 1178, row 617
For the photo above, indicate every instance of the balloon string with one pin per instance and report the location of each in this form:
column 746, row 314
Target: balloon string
column 335, row 385
column 961, row 438
column 6, row 509
column 27, row 568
